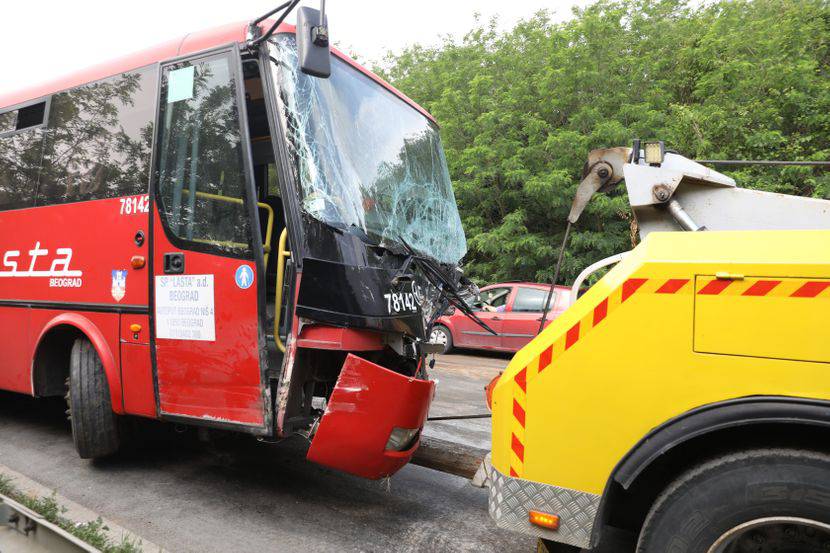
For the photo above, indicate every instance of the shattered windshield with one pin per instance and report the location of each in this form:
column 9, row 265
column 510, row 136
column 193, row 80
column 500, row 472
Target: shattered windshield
column 366, row 159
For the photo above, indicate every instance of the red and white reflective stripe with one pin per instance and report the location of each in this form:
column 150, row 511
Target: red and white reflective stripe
column 672, row 286
column 550, row 354
column 764, row 287
column 518, row 424
column 811, row 289
column 706, row 286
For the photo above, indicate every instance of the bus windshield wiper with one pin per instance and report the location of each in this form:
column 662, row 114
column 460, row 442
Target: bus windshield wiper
column 448, row 290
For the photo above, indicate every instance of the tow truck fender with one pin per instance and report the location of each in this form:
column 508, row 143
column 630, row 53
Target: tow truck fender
column 706, row 420
column 91, row 331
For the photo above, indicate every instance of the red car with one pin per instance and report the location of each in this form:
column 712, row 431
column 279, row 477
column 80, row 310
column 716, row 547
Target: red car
column 512, row 309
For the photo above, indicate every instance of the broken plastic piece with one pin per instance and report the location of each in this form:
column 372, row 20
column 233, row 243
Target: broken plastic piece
column 367, row 404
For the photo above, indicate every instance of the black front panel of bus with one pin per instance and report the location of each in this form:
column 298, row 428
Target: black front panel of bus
column 350, row 296
column 346, row 281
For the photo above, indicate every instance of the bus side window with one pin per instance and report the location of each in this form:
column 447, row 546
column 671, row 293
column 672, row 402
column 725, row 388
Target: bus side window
column 20, row 156
column 201, row 180
column 99, row 140
column 8, row 121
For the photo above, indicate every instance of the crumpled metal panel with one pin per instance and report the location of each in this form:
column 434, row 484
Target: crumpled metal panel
column 367, row 403
column 512, row 498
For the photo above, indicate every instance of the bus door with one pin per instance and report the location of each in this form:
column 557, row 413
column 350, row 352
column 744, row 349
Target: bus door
column 207, row 256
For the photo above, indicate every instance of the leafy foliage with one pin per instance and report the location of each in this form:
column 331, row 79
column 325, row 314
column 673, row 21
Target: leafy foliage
column 520, row 110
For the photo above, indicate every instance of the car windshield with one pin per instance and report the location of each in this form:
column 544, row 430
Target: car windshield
column 367, row 160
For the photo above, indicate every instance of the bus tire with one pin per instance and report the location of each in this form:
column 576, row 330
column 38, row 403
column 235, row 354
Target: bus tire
column 759, row 500
column 94, row 424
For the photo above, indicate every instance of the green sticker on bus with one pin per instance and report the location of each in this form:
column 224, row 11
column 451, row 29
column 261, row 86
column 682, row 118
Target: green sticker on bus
column 180, row 84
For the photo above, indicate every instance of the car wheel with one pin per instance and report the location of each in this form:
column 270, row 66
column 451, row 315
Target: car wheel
column 764, row 501
column 442, row 336
column 94, row 424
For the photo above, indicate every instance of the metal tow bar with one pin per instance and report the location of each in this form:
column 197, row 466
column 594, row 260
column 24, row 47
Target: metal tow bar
column 24, row 531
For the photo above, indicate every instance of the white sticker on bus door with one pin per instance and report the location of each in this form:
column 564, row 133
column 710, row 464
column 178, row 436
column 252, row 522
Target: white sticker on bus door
column 180, row 84
column 184, row 308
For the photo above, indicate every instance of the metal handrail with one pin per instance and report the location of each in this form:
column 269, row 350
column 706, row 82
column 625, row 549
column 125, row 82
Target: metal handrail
column 591, row 269
column 282, row 254
column 269, row 227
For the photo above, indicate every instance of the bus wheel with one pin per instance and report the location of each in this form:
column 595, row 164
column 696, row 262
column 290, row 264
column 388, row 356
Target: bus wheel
column 94, row 424
column 761, row 500
column 442, row 336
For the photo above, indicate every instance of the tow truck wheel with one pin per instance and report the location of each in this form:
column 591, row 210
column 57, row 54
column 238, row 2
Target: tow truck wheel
column 442, row 336
column 763, row 501
column 94, row 424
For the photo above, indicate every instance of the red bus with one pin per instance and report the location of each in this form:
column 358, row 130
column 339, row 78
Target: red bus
column 206, row 234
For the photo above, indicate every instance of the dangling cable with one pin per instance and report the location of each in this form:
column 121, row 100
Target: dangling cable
column 555, row 278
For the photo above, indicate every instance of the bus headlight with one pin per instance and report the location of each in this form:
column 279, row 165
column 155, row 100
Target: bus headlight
column 401, row 439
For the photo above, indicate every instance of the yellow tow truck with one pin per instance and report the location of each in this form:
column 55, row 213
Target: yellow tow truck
column 683, row 402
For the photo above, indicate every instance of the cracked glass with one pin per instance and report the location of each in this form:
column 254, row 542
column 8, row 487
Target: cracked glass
column 365, row 159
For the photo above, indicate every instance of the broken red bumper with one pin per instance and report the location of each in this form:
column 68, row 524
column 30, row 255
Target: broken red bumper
column 367, row 404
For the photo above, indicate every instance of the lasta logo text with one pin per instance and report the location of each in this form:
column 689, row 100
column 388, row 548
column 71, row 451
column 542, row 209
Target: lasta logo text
column 16, row 264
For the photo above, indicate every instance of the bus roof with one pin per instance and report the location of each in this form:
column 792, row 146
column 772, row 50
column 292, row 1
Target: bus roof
column 191, row 43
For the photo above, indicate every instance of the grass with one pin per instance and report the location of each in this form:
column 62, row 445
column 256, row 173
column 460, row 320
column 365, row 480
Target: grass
column 93, row 532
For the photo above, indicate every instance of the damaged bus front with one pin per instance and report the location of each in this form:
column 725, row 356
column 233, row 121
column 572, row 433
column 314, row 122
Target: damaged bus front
column 375, row 240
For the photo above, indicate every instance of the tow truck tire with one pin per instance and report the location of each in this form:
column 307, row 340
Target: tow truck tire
column 442, row 335
column 94, row 424
column 760, row 500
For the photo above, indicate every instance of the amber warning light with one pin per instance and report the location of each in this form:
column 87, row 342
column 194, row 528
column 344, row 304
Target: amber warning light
column 488, row 391
column 545, row 520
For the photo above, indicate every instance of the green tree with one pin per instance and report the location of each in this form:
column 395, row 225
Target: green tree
column 521, row 109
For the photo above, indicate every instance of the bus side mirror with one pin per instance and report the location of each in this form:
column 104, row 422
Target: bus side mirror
column 313, row 48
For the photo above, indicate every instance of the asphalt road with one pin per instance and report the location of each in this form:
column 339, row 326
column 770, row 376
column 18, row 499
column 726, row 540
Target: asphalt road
column 460, row 382
column 241, row 495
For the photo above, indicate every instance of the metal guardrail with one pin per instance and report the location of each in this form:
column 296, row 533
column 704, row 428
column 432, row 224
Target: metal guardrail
column 25, row 531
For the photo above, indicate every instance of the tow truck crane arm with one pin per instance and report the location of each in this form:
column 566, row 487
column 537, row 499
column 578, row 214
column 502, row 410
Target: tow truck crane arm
column 669, row 192
column 601, row 173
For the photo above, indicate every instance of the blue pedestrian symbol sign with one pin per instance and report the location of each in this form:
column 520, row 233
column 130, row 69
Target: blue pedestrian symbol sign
column 244, row 277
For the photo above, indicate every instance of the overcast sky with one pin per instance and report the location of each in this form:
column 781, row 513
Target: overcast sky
column 40, row 40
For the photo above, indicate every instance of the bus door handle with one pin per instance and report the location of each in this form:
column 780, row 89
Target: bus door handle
column 173, row 263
